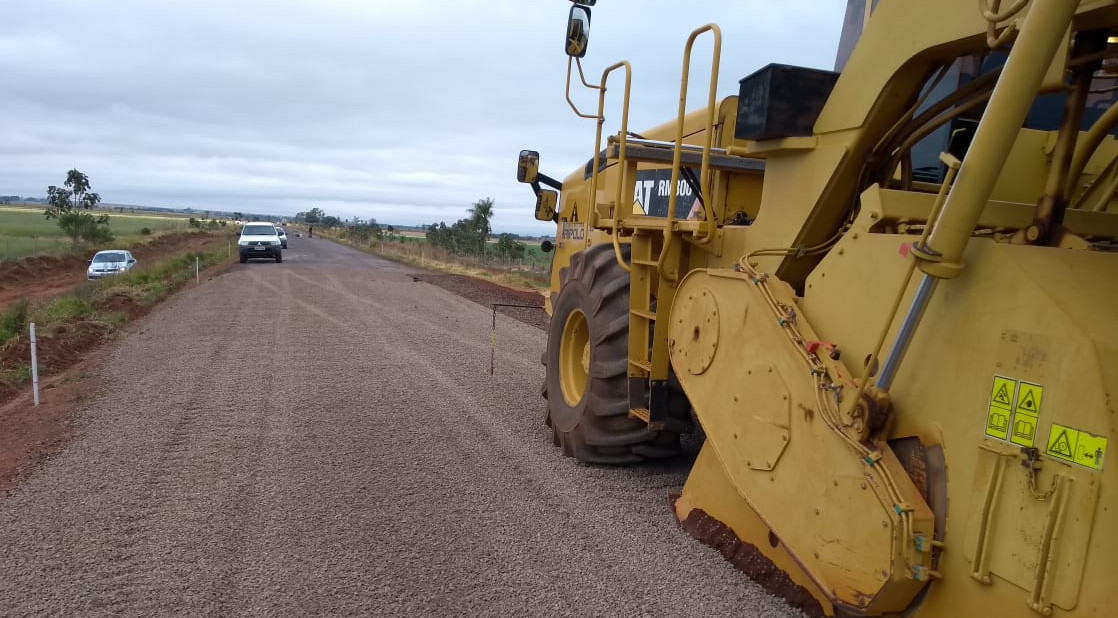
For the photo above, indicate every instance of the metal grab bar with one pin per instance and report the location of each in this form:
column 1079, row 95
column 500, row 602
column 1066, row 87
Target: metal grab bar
column 567, row 92
column 601, row 118
column 623, row 171
column 704, row 180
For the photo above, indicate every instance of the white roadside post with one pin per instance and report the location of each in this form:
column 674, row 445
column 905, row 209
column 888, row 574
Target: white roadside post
column 34, row 366
column 197, row 280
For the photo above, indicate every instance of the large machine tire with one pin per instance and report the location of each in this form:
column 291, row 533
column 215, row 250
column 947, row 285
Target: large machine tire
column 586, row 367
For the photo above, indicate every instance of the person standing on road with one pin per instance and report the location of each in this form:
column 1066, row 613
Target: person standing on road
column 310, row 232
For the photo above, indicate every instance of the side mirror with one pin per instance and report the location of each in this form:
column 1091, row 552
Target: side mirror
column 547, row 246
column 528, row 167
column 578, row 31
column 545, row 205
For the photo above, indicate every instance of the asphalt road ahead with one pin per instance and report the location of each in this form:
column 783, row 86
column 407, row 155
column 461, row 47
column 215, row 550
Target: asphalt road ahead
column 322, row 437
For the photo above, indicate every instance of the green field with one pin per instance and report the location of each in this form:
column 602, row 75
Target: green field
column 25, row 232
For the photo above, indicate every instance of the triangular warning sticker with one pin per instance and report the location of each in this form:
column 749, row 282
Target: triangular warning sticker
column 1030, row 397
column 1002, row 396
column 1061, row 446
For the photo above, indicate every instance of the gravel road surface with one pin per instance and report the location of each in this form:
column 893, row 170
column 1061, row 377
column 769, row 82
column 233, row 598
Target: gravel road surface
column 322, row 437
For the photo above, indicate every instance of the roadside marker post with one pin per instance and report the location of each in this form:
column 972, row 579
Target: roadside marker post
column 34, row 366
column 197, row 278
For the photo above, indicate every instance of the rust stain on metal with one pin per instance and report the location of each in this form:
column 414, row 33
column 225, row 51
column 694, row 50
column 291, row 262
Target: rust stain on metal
column 748, row 559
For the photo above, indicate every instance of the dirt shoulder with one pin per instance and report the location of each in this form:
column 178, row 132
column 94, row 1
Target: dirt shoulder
column 44, row 277
column 487, row 293
column 75, row 356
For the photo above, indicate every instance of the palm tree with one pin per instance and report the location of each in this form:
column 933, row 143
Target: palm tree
column 481, row 214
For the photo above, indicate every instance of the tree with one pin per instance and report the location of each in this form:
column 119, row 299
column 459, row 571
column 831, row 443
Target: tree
column 67, row 205
column 314, row 215
column 510, row 248
column 365, row 230
column 481, row 214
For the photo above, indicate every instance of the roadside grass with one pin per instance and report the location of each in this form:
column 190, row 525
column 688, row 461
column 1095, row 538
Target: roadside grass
column 25, row 232
column 14, row 320
column 14, row 376
column 100, row 302
column 532, row 272
column 150, row 284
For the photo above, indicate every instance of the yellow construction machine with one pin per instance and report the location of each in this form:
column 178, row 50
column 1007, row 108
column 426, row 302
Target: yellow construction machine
column 886, row 294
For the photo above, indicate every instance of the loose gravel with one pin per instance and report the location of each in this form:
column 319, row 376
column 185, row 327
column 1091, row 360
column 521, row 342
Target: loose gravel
column 322, row 437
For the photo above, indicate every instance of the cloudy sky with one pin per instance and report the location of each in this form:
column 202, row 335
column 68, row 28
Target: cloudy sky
column 406, row 111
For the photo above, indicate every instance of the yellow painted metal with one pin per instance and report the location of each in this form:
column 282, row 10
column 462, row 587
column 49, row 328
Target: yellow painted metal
column 1025, row 69
column 1008, row 511
column 1016, row 521
column 767, row 421
column 573, row 60
column 574, row 357
column 708, row 135
column 709, row 491
column 694, row 351
column 1034, row 314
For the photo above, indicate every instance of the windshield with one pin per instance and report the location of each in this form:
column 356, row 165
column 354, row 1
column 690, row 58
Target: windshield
column 279, row 230
column 259, row 230
column 108, row 257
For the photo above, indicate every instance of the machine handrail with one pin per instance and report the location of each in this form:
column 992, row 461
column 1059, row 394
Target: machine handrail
column 623, row 169
column 567, row 91
column 704, row 180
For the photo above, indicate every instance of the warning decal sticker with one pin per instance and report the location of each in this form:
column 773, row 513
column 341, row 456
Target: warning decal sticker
column 1024, row 430
column 1014, row 411
column 1026, row 413
column 1028, row 398
column 1075, row 446
column 1000, row 408
column 1003, row 392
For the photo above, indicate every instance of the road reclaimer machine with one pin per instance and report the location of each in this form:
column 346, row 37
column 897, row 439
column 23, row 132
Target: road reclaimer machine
column 885, row 296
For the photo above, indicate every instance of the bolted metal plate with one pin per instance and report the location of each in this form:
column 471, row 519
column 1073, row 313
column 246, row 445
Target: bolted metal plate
column 767, row 403
column 693, row 336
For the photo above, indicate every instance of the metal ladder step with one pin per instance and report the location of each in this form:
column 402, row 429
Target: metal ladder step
column 640, row 414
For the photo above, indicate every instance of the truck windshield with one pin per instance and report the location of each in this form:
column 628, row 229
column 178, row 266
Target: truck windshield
column 259, row 230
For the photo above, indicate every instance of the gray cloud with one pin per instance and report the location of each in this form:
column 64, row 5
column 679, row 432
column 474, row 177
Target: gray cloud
column 403, row 111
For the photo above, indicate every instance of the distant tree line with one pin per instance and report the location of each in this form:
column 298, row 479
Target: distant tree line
column 18, row 199
column 356, row 228
column 211, row 224
column 316, row 216
column 470, row 236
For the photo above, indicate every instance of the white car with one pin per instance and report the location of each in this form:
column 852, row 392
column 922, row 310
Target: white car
column 282, row 236
column 108, row 263
column 259, row 240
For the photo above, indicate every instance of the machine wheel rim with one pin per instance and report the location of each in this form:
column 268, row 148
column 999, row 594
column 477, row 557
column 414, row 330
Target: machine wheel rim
column 574, row 357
